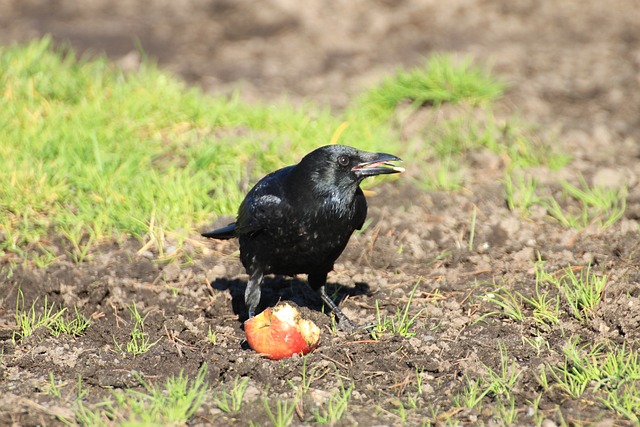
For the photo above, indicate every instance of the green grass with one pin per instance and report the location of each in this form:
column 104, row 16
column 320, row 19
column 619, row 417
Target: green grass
column 625, row 400
column 28, row 320
column 92, row 153
column 442, row 79
column 509, row 303
column 446, row 139
column 401, row 323
column 601, row 373
column 230, row 401
column 212, row 336
column 306, row 378
column 521, row 192
column 334, row 408
column 472, row 394
column 498, row 385
column 574, row 206
column 53, row 388
column 585, row 205
column 545, row 308
column 282, row 415
column 139, row 342
column 56, row 321
column 502, row 382
column 582, row 290
column 74, row 326
column 173, row 403
column 610, row 372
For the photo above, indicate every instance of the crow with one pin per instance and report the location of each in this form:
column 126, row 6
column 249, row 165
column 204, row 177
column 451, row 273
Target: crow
column 298, row 219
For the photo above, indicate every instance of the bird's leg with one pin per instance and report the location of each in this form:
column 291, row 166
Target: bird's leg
column 345, row 323
column 318, row 281
column 252, row 293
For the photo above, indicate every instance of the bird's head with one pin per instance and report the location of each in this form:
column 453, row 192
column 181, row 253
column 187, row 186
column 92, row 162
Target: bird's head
column 341, row 168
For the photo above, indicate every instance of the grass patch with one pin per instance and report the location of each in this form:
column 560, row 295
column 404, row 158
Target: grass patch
column 521, row 193
column 30, row 319
column 53, row 387
column 74, row 325
column 335, row 406
column 442, row 79
column 586, row 205
column 575, row 206
column 545, row 308
column 173, row 403
column 282, row 414
column 139, row 342
column 501, row 383
column 471, row 395
column 610, row 372
column 400, row 324
column 230, row 401
column 91, row 152
column 448, row 135
column 582, row 289
column 509, row 303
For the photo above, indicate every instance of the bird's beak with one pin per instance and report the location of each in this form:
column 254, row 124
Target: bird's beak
column 380, row 164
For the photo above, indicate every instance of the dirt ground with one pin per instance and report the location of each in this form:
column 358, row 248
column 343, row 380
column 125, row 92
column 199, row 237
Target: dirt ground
column 573, row 68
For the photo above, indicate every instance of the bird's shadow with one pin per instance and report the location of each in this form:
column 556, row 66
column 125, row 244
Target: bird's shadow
column 276, row 288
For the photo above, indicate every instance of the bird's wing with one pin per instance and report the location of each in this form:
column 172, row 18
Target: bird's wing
column 361, row 209
column 265, row 205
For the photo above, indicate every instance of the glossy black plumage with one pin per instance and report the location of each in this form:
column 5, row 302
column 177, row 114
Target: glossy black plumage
column 298, row 219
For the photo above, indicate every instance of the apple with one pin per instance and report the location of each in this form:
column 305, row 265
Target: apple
column 281, row 332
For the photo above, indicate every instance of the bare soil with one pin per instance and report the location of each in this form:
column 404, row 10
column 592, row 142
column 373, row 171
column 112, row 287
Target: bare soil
column 574, row 69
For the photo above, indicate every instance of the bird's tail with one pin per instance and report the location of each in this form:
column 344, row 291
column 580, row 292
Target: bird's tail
column 228, row 232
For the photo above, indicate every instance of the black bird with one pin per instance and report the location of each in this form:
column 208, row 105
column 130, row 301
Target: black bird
column 298, row 219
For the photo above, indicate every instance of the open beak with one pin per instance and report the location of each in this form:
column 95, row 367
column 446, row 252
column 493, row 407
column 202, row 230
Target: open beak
column 381, row 164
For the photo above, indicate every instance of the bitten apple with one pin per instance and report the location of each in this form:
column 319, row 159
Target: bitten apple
column 281, row 332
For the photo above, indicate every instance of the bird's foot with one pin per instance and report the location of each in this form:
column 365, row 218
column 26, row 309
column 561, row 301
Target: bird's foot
column 346, row 325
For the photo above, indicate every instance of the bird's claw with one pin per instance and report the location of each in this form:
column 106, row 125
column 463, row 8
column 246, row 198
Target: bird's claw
column 349, row 327
column 366, row 328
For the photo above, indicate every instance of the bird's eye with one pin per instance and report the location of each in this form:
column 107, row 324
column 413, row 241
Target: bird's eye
column 343, row 160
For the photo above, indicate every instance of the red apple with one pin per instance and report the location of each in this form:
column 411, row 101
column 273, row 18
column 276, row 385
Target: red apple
column 281, row 332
